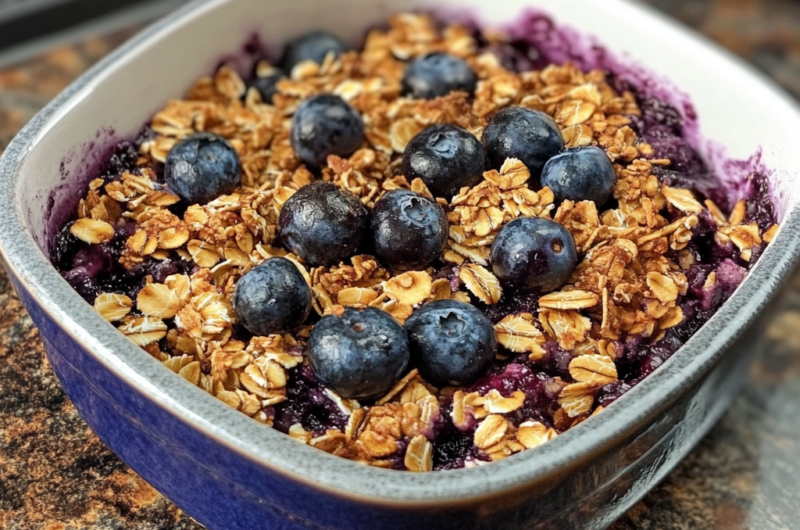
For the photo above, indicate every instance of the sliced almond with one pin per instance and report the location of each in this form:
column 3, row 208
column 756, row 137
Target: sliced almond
column 92, row 231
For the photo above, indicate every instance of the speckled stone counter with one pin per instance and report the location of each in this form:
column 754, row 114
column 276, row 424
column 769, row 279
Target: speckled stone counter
column 55, row 474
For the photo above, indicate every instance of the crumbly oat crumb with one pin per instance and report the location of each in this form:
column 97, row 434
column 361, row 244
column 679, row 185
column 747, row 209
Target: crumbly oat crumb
column 633, row 269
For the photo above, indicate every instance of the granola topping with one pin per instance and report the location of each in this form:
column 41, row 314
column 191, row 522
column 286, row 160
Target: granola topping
column 652, row 262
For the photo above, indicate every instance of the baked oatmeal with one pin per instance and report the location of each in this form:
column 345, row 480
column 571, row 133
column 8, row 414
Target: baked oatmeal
column 433, row 252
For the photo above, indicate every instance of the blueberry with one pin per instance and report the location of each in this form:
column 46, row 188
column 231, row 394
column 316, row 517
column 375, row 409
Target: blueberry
column 359, row 354
column 580, row 174
column 451, row 342
column 446, row 158
column 323, row 224
column 534, row 253
column 312, row 46
column 202, row 167
column 437, row 74
column 325, row 125
column 528, row 135
column 267, row 85
column 409, row 231
column 272, row 298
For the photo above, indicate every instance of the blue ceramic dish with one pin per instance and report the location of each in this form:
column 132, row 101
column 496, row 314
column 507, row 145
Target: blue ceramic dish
column 232, row 473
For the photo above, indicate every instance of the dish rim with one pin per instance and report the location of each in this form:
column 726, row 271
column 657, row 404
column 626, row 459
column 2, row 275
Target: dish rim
column 273, row 450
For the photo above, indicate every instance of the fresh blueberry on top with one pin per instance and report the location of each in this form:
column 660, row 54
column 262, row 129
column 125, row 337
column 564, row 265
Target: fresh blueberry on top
column 202, row 167
column 325, row 125
column 446, row 158
column 312, row 46
column 272, row 298
column 534, row 253
column 359, row 354
column 580, row 174
column 452, row 343
column 437, row 74
column 323, row 224
column 267, row 85
column 409, row 231
column 529, row 135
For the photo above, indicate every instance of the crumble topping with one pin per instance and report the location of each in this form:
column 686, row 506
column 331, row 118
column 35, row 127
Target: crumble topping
column 634, row 264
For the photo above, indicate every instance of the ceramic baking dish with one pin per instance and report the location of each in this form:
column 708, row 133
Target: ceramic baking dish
column 230, row 472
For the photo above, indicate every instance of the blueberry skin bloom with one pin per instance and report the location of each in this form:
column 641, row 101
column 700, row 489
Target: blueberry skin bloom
column 580, row 174
column 359, row 354
column 323, row 224
column 409, row 231
column 311, row 46
column 452, row 343
column 437, row 74
column 446, row 157
column 272, row 298
column 325, row 125
column 202, row 167
column 534, row 253
column 529, row 135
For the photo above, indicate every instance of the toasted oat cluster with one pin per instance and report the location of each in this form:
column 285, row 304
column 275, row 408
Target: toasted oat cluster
column 654, row 262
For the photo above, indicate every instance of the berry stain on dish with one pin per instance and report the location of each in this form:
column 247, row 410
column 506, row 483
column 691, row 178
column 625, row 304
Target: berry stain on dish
column 420, row 261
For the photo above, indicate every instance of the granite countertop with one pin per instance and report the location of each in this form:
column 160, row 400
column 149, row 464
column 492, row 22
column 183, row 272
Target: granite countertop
column 55, row 474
